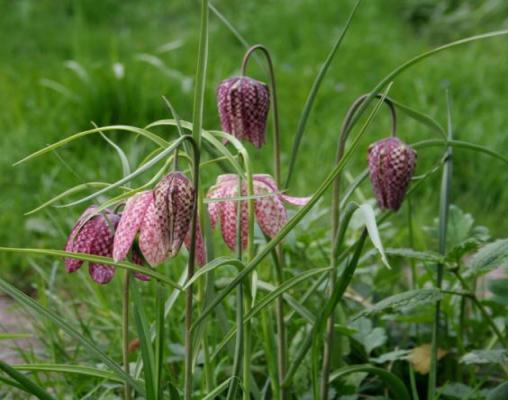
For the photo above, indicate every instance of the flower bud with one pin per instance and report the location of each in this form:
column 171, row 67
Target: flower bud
column 391, row 166
column 243, row 105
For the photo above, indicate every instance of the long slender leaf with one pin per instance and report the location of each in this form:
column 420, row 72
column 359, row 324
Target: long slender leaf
column 95, row 259
column 28, row 385
column 309, row 102
column 69, row 369
column 23, row 299
column 143, row 132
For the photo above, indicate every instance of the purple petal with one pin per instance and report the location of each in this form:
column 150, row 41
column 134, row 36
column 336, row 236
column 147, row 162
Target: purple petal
column 101, row 273
column 80, row 239
column 102, row 245
column 130, row 222
column 268, row 180
column 200, row 245
column 138, row 259
column 154, row 238
column 229, row 216
column 270, row 213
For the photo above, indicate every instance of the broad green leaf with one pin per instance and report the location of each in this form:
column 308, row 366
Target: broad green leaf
column 27, row 385
column 367, row 335
column 499, row 289
column 369, row 219
column 489, row 257
column 393, row 382
column 25, row 300
column 402, row 302
column 427, row 256
column 498, row 356
column 391, row 356
column 499, row 393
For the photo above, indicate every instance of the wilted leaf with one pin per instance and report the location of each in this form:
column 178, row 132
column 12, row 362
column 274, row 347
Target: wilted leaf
column 499, row 356
column 489, row 257
column 369, row 219
column 402, row 302
column 420, row 357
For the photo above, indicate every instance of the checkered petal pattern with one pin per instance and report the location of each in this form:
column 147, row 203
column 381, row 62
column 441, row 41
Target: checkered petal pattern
column 269, row 209
column 243, row 105
column 130, row 222
column 391, row 166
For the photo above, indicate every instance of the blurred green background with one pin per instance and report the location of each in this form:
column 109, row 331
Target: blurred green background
column 66, row 63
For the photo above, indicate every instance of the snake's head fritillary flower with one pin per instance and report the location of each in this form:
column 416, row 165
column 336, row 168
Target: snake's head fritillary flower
column 159, row 218
column 391, row 166
column 93, row 234
column 269, row 207
column 243, row 105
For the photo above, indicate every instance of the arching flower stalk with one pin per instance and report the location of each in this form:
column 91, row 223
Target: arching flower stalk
column 269, row 207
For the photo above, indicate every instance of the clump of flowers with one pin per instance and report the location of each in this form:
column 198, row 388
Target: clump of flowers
column 391, row 166
column 269, row 209
column 243, row 105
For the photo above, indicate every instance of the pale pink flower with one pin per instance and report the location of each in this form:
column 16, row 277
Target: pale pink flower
column 269, row 210
column 391, row 166
column 243, row 105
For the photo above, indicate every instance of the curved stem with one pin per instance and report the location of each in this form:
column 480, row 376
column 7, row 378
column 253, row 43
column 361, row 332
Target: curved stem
column 335, row 211
column 279, row 265
column 125, row 332
column 273, row 87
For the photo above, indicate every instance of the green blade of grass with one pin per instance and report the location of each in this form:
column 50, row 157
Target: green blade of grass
column 304, row 116
column 143, row 132
column 23, row 299
column 27, row 385
column 96, row 259
column 69, row 369
column 147, row 353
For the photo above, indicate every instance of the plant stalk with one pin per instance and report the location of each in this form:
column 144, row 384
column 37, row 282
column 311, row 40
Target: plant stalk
column 125, row 332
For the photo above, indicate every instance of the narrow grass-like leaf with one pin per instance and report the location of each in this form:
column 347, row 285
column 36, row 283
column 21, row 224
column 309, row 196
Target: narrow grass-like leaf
column 145, row 343
column 25, row 300
column 393, row 382
column 28, row 385
column 95, row 259
column 421, row 117
column 219, row 389
column 134, row 174
column 69, row 369
column 213, row 265
column 309, row 102
column 143, row 132
column 15, row 336
column 126, row 169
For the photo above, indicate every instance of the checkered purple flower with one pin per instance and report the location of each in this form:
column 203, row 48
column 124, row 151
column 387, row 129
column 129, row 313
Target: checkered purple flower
column 269, row 209
column 93, row 234
column 243, row 105
column 160, row 219
column 391, row 166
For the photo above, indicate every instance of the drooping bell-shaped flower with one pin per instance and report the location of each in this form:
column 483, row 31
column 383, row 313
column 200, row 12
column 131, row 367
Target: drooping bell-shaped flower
column 160, row 218
column 269, row 209
column 391, row 166
column 243, row 105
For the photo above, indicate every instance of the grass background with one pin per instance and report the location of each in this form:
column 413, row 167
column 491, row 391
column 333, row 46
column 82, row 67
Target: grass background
column 64, row 64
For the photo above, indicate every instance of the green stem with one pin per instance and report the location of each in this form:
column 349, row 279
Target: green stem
column 125, row 332
column 335, row 211
column 443, row 222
